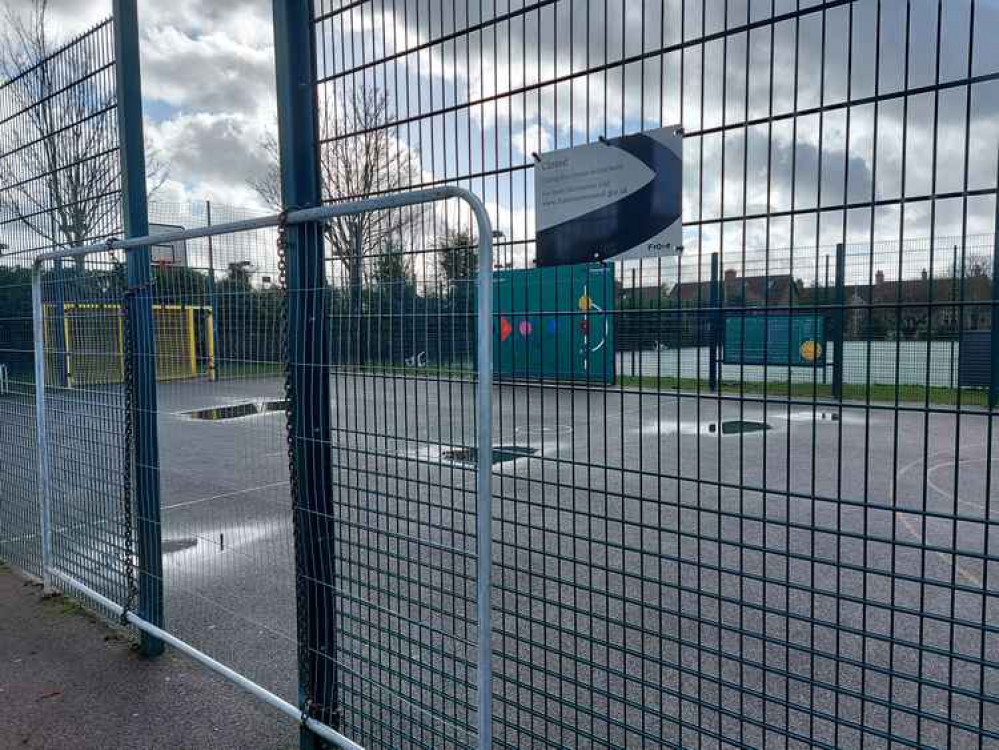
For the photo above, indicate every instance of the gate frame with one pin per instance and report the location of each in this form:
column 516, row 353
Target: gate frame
column 483, row 409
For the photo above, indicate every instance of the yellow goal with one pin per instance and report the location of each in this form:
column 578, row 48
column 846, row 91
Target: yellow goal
column 93, row 335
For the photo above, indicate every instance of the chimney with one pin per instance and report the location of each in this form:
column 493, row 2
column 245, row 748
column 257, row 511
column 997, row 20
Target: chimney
column 730, row 274
column 879, row 278
column 925, row 275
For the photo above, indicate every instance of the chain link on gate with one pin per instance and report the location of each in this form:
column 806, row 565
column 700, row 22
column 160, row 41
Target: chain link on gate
column 300, row 597
column 128, row 437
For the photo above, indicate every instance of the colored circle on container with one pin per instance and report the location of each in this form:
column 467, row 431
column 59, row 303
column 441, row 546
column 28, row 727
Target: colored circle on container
column 526, row 329
column 810, row 350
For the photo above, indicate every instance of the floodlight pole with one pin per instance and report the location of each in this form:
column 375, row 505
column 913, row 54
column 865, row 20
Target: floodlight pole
column 309, row 353
column 140, row 308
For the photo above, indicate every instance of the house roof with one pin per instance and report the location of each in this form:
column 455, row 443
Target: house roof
column 750, row 290
column 643, row 293
column 918, row 290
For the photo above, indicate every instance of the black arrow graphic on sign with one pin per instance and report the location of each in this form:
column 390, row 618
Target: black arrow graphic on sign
column 615, row 228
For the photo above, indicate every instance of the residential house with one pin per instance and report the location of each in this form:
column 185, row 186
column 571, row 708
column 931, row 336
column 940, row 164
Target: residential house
column 903, row 307
column 780, row 290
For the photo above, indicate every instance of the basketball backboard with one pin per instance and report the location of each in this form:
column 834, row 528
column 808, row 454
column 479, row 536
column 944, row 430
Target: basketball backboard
column 169, row 253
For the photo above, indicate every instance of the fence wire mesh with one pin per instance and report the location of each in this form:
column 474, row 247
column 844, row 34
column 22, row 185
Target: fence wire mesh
column 692, row 550
column 228, row 557
column 90, row 528
column 761, row 565
column 59, row 187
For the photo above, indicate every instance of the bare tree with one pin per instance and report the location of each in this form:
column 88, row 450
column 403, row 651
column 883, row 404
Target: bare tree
column 976, row 264
column 61, row 170
column 359, row 157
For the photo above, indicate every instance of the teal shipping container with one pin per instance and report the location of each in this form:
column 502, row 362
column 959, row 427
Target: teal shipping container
column 555, row 323
column 787, row 340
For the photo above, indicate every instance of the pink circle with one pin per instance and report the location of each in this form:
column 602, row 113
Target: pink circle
column 526, row 329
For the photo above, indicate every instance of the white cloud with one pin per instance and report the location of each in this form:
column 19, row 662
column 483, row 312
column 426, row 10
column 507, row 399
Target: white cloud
column 208, row 73
column 210, row 156
column 67, row 17
column 208, row 86
column 208, row 80
column 247, row 22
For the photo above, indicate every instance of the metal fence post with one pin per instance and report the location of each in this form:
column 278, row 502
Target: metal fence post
column 136, row 224
column 309, row 351
column 631, row 307
column 994, row 335
column 61, row 345
column 839, row 316
column 956, row 273
column 713, row 326
column 825, row 320
column 213, row 360
column 41, row 423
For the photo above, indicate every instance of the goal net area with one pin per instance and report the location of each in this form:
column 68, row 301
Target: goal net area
column 85, row 343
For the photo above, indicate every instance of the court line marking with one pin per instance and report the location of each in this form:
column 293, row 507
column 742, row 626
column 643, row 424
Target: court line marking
column 910, row 527
column 946, row 493
column 224, row 495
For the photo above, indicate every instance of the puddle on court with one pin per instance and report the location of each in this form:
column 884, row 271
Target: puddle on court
column 847, row 417
column 808, row 416
column 738, row 427
column 236, row 411
column 728, row 427
column 501, row 454
column 468, row 456
column 178, row 545
column 186, row 555
column 544, row 431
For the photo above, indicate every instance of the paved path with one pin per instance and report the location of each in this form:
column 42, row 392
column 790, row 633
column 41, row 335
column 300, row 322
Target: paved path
column 68, row 681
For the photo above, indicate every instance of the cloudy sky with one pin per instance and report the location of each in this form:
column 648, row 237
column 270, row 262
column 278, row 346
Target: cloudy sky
column 532, row 93
column 208, row 80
